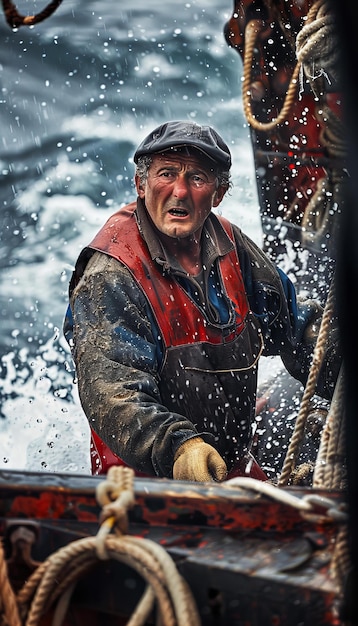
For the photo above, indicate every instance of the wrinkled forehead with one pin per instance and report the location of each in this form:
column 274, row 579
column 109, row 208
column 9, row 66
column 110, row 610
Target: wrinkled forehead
column 185, row 155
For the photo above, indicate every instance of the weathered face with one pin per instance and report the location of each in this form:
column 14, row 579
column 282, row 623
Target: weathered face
column 179, row 193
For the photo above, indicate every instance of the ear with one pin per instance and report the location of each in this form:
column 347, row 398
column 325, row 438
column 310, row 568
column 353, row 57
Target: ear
column 218, row 195
column 139, row 186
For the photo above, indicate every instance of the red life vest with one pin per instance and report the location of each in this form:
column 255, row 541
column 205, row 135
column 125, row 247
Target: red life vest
column 172, row 307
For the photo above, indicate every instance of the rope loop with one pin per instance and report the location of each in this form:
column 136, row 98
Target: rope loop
column 253, row 29
column 54, row 581
column 116, row 496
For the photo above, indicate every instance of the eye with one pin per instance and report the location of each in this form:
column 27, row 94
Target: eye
column 167, row 175
column 197, row 180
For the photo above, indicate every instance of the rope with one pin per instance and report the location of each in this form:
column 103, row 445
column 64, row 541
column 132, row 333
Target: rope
column 301, row 473
column 15, row 19
column 341, row 560
column 252, row 31
column 317, row 46
column 8, row 605
column 318, row 355
column 116, row 496
column 317, row 50
column 67, row 566
column 319, row 216
column 329, row 472
column 317, row 53
column 54, row 581
column 311, row 507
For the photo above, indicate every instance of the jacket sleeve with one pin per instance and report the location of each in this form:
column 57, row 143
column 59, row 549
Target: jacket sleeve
column 290, row 324
column 117, row 354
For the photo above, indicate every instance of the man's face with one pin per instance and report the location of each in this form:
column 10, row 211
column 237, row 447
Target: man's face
column 180, row 192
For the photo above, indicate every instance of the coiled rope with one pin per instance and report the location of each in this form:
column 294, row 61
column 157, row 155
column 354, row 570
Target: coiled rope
column 317, row 54
column 317, row 47
column 55, row 579
column 315, row 36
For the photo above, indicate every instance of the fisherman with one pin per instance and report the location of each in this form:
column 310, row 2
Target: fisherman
column 171, row 307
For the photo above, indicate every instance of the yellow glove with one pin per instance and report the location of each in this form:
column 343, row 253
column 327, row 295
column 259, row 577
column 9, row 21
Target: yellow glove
column 197, row 460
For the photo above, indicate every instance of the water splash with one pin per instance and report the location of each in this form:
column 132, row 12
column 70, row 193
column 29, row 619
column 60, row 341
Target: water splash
column 43, row 426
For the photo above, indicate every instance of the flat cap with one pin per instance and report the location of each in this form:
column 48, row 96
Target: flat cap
column 176, row 134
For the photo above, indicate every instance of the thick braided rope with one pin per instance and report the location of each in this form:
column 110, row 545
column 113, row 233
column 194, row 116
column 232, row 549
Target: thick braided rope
column 8, row 605
column 15, row 19
column 338, row 458
column 185, row 608
column 331, row 444
column 116, row 497
column 142, row 610
column 318, row 355
column 318, row 474
column 317, row 48
column 180, row 595
column 341, row 559
column 252, row 30
column 55, row 579
column 84, row 552
column 315, row 44
column 329, row 469
column 81, row 556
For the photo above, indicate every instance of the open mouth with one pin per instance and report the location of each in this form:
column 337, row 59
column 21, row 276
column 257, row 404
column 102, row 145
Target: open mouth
column 178, row 212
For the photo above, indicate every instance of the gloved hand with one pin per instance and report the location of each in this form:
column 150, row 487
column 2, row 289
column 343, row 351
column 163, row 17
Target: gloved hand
column 197, row 460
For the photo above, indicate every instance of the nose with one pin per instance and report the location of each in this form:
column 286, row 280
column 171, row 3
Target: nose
column 181, row 186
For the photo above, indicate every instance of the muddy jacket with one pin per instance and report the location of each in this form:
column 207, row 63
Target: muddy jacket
column 162, row 357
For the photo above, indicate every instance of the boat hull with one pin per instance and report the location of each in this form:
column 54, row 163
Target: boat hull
column 248, row 559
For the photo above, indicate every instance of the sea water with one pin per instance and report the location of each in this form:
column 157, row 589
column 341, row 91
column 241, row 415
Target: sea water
column 79, row 91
